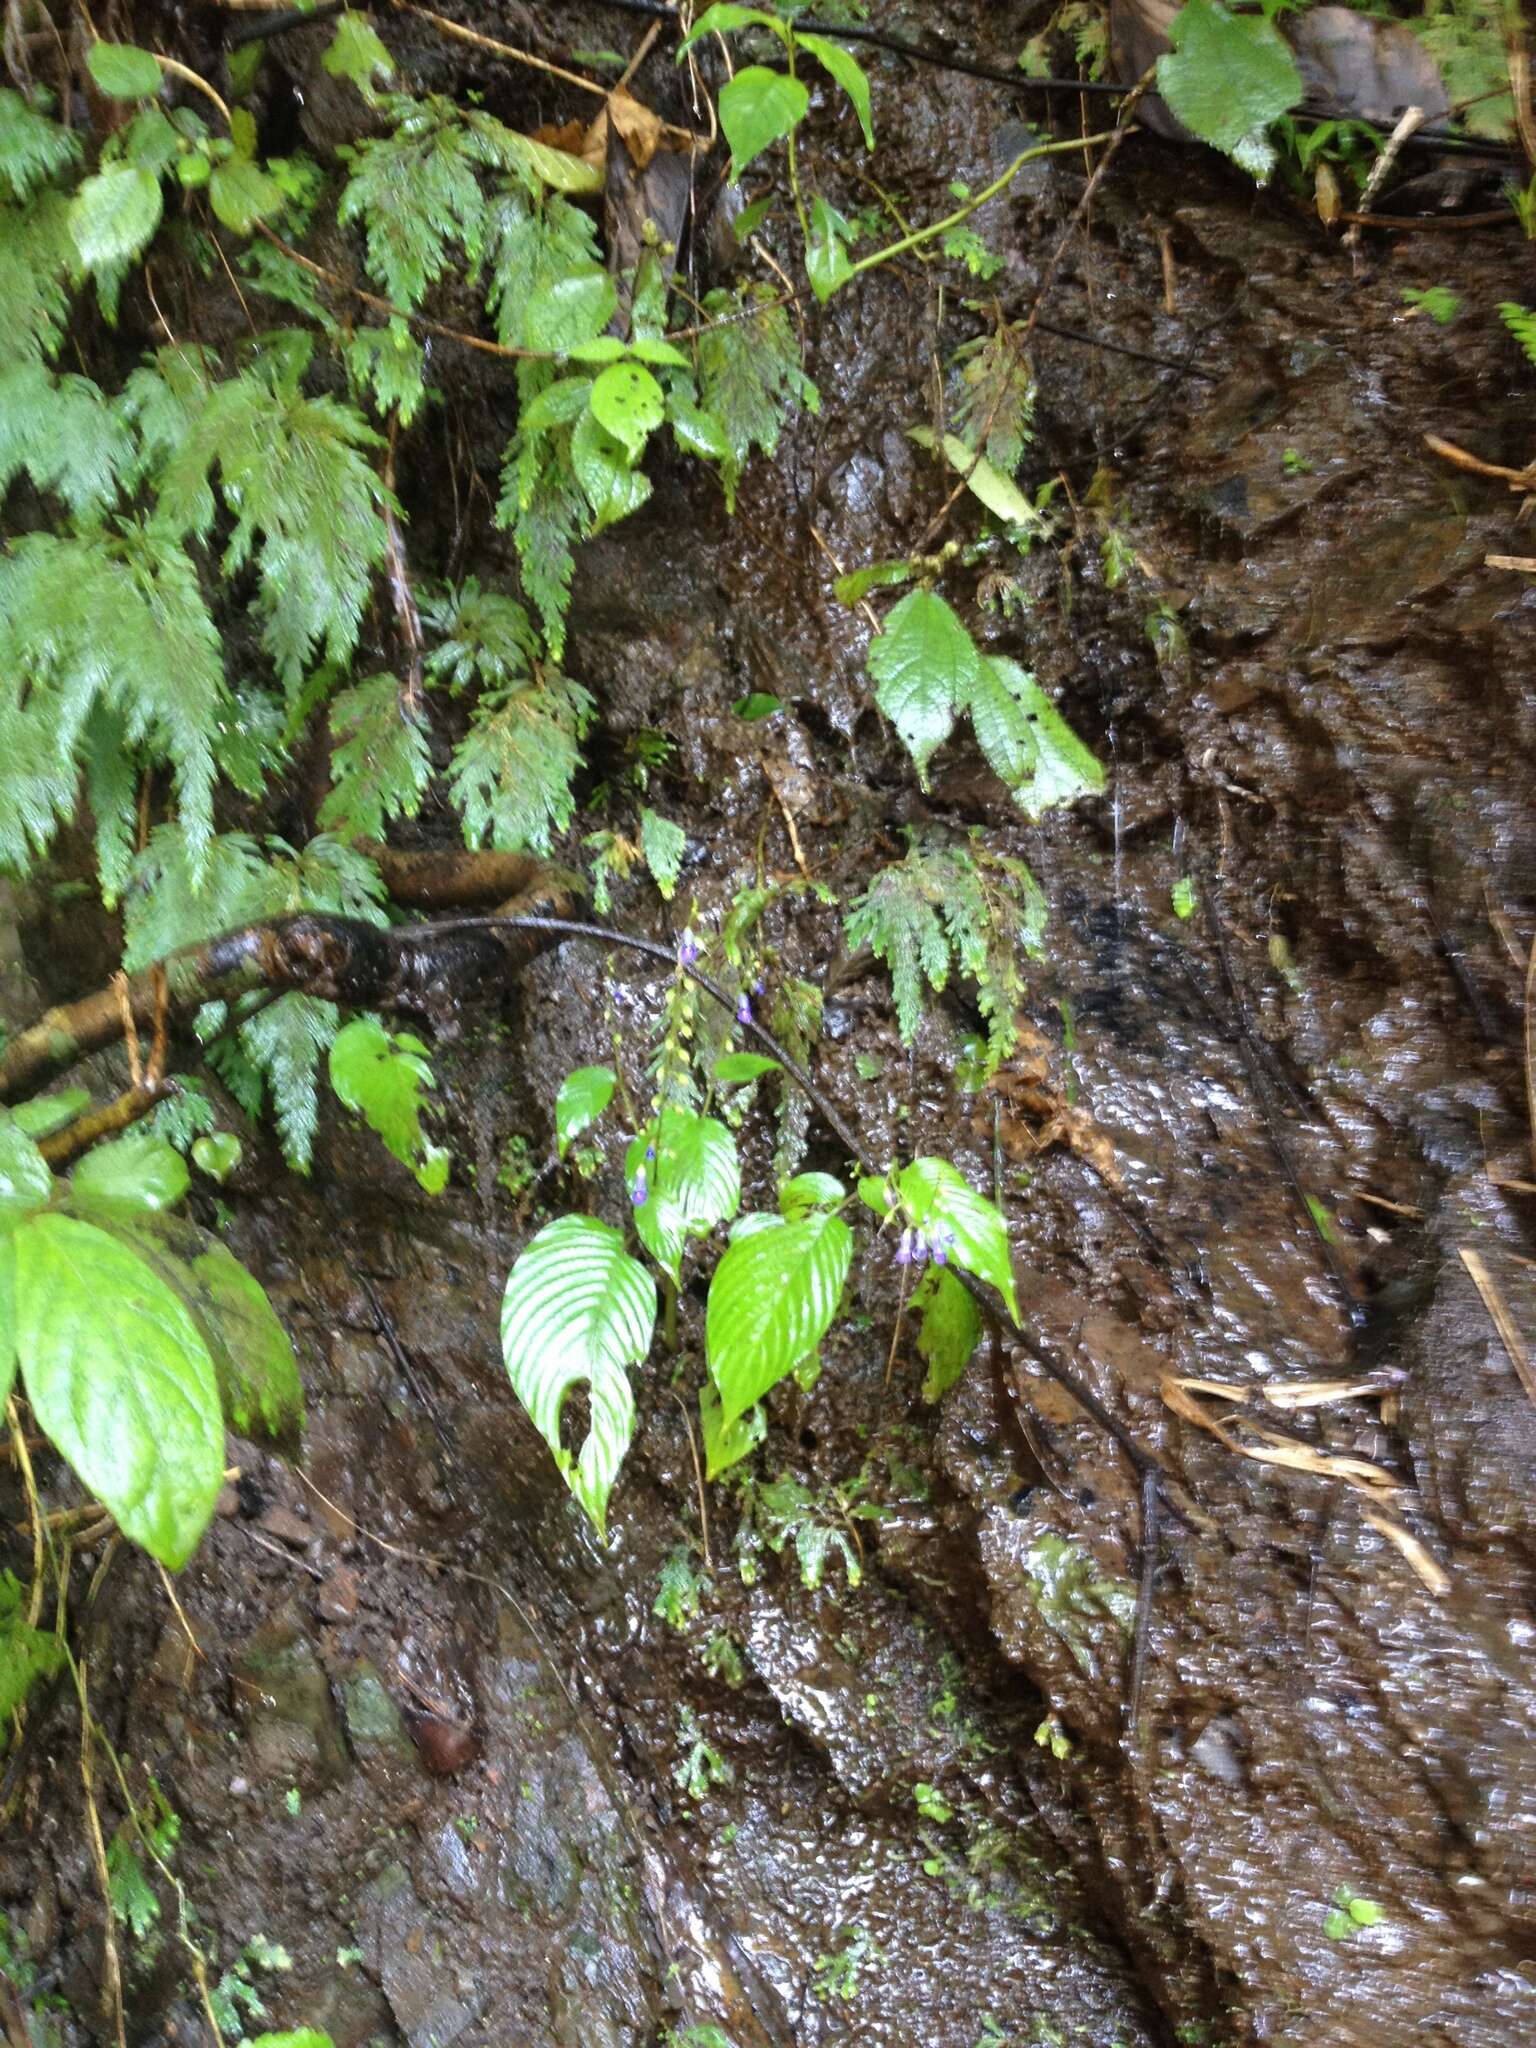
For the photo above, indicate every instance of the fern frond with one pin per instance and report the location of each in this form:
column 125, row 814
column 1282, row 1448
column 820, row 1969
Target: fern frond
column 547, row 510
column 512, row 772
column 169, row 903
column 389, row 364
column 996, row 406
column 534, row 239
column 33, row 149
column 417, row 193
column 382, row 764
column 65, row 433
column 1521, row 322
column 37, row 257
column 898, row 919
column 487, row 638
column 111, row 790
column 286, row 1042
column 749, row 376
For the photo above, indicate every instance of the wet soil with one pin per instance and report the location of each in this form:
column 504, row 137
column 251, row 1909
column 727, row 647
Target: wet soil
column 911, row 1809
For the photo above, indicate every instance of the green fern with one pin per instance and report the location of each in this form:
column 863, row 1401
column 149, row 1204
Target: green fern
column 33, row 149
column 948, row 907
column 65, row 434
column 535, row 241
column 308, row 509
column 37, row 257
column 484, row 638
column 1521, row 323
column 546, row 509
column 749, row 376
column 995, row 409
column 381, row 764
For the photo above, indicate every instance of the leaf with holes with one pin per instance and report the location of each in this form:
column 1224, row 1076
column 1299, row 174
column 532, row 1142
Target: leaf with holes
column 582, row 1099
column 757, row 109
column 120, row 1381
column 578, row 1308
column 925, row 665
column 383, row 1075
column 627, row 401
column 771, row 1300
column 945, row 1209
column 1027, row 742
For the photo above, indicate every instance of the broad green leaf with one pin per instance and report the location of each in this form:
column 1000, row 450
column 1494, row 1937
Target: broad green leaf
column 945, row 1209
column 559, row 404
column 253, row 1360
column 948, row 1329
column 578, row 1308
column 26, row 1180
column 603, row 470
column 1227, row 78
column 575, row 308
column 827, row 263
column 603, row 348
column 7, row 1321
column 556, row 168
column 217, row 1154
column 114, row 214
column 384, row 1076
column 47, row 1113
column 771, row 1300
column 663, row 845
column 304, row 2037
column 727, row 1443
column 874, row 1191
column 757, row 704
column 925, row 665
column 723, row 18
column 357, row 53
column 241, row 193
column 757, row 109
column 582, row 1099
column 845, row 68
column 1027, row 741
column 120, row 1380
column 689, row 1174
column 733, row 1068
column 808, row 1191
column 627, row 400
column 123, row 71
column 27, row 1654
column 135, row 1172
column 651, row 348
column 1000, row 494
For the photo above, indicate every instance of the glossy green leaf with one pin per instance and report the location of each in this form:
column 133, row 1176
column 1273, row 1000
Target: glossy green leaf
column 727, row 1443
column 241, row 193
column 808, row 1191
column 1026, row 740
column 757, row 109
column 575, row 308
column 858, row 583
column 123, row 71
column 216, row 1153
column 556, row 168
column 945, row 1209
column 133, row 1172
column 1227, row 78
column 114, row 214
column 874, row 1191
column 999, row 493
column 652, row 348
column 771, row 1300
column 26, row 1180
column 926, row 666
column 582, row 1099
column 948, row 1329
column 827, row 262
column 120, row 1380
column 849, row 73
column 663, row 845
column 691, row 1182
column 733, row 1068
column 47, row 1113
column 578, row 1308
column 723, row 18
column 627, row 400
column 303, row 2037
column 385, row 1077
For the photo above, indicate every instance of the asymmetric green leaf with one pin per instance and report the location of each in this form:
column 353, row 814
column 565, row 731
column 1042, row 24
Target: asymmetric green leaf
column 123, row 71
column 114, row 214
column 134, row 1172
column 384, row 1076
column 582, row 1099
column 579, row 1309
column 771, row 1300
column 758, row 108
column 945, row 1209
column 925, row 664
column 948, row 1329
column 120, row 1380
column 845, row 68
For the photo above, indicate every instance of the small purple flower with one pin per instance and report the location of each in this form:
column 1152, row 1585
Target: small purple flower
column 904, row 1249
column 688, row 950
column 744, row 1008
column 940, row 1255
column 650, row 1153
column 639, row 1189
column 758, row 986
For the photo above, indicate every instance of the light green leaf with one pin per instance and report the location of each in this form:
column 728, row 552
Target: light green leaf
column 27, row 1654
column 1028, row 742
column 578, row 1308
column 733, row 1068
column 357, row 53
column 845, row 68
column 627, row 400
column 1000, row 494
column 945, row 1209
column 241, row 193
column 26, row 1180
column 692, row 1181
column 46, row 1113
column 582, row 1099
column 135, row 1172
column 575, row 308
column 874, row 1191
column 304, row 2037
column 603, row 348
column 651, row 348
column 758, row 108
column 384, row 1076
column 727, row 1443
column 123, row 71
column 556, row 168
column 808, row 1191
column 771, row 1300
column 926, row 666
column 1227, row 78
column 663, row 845
column 827, row 263
column 114, row 214
column 7, row 1318
column 1184, row 897
column 723, row 18
column 32, row 149
column 217, row 1154
column 121, row 1382
column 873, row 576
column 948, row 1329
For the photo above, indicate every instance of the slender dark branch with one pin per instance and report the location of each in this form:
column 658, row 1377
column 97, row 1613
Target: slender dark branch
column 1146, row 1588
